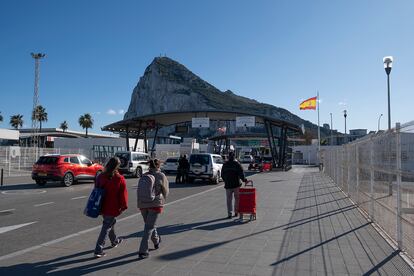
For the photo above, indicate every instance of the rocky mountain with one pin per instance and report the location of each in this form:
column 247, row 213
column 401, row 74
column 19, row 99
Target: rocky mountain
column 169, row 86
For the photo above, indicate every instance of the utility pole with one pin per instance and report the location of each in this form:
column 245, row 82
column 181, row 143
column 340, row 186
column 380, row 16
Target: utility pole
column 35, row 130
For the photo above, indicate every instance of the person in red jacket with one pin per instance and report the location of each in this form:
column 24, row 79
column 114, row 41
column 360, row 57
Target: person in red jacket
column 115, row 201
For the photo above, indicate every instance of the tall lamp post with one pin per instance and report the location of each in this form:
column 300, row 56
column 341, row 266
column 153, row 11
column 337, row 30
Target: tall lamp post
column 379, row 119
column 345, row 121
column 388, row 65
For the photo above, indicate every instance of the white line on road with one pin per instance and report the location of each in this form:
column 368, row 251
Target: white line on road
column 43, row 204
column 14, row 227
column 8, row 210
column 78, row 197
column 30, row 249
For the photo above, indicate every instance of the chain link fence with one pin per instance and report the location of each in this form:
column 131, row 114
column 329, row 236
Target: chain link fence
column 377, row 173
column 18, row 161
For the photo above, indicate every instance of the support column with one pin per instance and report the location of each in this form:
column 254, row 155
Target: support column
column 127, row 138
column 145, row 141
column 270, row 138
column 153, row 142
column 137, row 137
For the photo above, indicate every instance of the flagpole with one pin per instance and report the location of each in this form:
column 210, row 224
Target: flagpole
column 319, row 129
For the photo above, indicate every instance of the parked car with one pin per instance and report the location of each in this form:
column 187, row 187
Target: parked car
column 170, row 165
column 205, row 166
column 133, row 163
column 246, row 159
column 66, row 168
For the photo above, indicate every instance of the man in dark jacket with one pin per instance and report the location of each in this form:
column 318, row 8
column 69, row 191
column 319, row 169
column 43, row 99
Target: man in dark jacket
column 232, row 173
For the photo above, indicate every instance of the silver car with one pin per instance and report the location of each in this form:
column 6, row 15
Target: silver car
column 133, row 162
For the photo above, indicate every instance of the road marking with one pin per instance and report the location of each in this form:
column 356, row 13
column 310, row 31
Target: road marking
column 34, row 192
column 14, row 227
column 43, row 204
column 8, row 210
column 78, row 197
column 30, row 249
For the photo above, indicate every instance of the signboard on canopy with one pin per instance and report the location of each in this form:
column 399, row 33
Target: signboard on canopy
column 200, row 122
column 245, row 121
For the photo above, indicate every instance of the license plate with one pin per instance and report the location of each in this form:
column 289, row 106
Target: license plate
column 42, row 174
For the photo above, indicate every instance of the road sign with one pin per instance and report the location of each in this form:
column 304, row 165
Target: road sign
column 200, row 122
column 14, row 152
column 245, row 121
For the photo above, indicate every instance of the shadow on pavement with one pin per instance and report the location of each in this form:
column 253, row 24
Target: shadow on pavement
column 54, row 266
column 176, row 228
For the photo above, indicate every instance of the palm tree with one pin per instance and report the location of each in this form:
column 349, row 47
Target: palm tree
column 64, row 126
column 86, row 121
column 16, row 121
column 39, row 114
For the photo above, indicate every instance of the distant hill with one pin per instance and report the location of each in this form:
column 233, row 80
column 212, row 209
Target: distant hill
column 169, row 86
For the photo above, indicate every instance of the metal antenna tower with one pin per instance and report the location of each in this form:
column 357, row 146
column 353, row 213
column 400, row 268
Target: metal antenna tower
column 35, row 129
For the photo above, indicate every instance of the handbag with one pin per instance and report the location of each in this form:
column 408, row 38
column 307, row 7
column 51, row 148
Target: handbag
column 94, row 203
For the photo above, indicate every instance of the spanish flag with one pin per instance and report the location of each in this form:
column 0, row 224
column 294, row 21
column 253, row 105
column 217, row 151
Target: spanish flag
column 308, row 104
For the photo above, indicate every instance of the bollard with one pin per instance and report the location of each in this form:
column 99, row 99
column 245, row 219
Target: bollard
column 1, row 177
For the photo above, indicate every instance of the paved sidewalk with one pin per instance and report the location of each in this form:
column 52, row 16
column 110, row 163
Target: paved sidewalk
column 305, row 226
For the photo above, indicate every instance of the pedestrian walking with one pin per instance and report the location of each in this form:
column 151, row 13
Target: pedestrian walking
column 153, row 189
column 185, row 168
column 178, row 178
column 115, row 201
column 232, row 172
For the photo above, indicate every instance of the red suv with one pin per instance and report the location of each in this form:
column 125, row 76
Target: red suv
column 66, row 168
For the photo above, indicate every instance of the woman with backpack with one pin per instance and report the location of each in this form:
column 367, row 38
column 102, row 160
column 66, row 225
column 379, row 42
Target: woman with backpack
column 153, row 189
column 115, row 201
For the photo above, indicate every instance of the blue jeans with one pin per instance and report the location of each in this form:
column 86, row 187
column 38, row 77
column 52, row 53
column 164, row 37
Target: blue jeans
column 150, row 218
column 107, row 225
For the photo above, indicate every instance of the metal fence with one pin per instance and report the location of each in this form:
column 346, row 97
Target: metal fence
column 18, row 161
column 377, row 173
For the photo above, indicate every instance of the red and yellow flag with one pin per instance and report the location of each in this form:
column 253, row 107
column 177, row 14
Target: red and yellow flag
column 308, row 104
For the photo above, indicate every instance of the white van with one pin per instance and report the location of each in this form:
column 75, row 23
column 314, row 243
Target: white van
column 133, row 162
column 205, row 166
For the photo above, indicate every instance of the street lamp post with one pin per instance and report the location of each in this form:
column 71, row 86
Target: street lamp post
column 345, row 121
column 379, row 119
column 387, row 66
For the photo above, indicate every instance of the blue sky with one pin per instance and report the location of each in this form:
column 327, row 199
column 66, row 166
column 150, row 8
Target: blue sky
column 277, row 52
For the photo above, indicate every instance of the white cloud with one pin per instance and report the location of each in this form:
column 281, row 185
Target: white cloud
column 111, row 112
column 342, row 103
column 121, row 111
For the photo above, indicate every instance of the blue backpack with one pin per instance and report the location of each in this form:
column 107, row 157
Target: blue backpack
column 94, row 204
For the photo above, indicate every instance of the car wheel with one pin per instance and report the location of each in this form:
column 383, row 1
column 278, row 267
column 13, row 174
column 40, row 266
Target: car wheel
column 68, row 179
column 41, row 182
column 215, row 180
column 138, row 172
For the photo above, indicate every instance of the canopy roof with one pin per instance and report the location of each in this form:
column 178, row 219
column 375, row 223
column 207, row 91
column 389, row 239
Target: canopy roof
column 151, row 121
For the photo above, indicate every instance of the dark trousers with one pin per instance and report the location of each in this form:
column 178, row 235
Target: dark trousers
column 108, row 225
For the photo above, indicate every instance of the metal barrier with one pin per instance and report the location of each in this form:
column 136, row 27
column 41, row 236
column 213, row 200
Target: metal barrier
column 18, row 161
column 377, row 173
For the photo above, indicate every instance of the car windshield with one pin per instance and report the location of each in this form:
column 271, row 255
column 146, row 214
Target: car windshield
column 171, row 160
column 201, row 159
column 47, row 160
column 122, row 155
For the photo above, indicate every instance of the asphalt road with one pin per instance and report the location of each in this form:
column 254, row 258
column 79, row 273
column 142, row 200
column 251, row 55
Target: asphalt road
column 54, row 211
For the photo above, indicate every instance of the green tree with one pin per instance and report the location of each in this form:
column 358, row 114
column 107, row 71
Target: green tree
column 39, row 114
column 16, row 121
column 86, row 121
column 64, row 126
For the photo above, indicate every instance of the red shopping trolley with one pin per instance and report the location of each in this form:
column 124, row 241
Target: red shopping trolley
column 247, row 200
